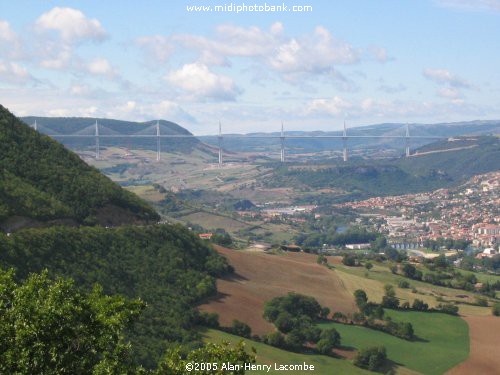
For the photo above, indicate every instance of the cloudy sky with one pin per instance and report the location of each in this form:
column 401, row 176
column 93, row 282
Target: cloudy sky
column 369, row 61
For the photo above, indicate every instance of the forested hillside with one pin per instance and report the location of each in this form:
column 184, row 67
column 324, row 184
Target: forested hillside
column 86, row 126
column 166, row 266
column 432, row 167
column 43, row 181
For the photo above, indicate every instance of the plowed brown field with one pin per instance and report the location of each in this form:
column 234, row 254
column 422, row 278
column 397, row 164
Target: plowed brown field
column 260, row 277
column 484, row 357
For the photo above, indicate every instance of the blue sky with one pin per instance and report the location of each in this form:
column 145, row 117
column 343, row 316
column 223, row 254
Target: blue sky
column 368, row 61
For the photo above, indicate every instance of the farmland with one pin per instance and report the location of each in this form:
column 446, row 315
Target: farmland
column 441, row 339
column 269, row 355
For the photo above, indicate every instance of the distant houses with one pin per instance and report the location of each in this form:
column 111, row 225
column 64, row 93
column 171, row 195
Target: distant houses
column 205, row 236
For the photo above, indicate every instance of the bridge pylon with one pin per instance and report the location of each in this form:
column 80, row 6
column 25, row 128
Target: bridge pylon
column 158, row 144
column 97, row 146
column 219, row 138
column 407, row 141
column 344, row 143
column 282, row 140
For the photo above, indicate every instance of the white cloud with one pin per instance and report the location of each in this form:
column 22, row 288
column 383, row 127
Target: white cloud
column 443, row 76
column 6, row 33
column 316, row 53
column 14, row 73
column 71, row 24
column 10, row 44
column 59, row 57
column 102, row 67
column 380, row 54
column 199, row 82
column 396, row 110
column 159, row 48
column 471, row 4
column 448, row 92
column 232, row 41
column 334, row 106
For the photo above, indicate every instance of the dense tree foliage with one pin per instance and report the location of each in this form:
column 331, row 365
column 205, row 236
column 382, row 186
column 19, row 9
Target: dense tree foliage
column 371, row 358
column 362, row 179
column 42, row 180
column 209, row 360
column 332, row 238
column 495, row 310
column 166, row 266
column 51, row 327
column 295, row 315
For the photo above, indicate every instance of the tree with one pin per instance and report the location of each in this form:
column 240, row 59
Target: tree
column 241, row 329
column 419, row 305
column 448, row 308
column 441, row 261
column 294, row 340
column 405, row 330
column 331, row 335
column 337, row 315
column 50, row 327
column 409, row 270
column 322, row 259
column 325, row 311
column 175, row 363
column 390, row 300
column 349, row 260
column 368, row 266
column 495, row 310
column 403, row 284
column 360, row 298
column 284, row 322
column 275, row 339
column 371, row 358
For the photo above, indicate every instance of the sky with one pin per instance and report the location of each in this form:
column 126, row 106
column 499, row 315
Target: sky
column 368, row 62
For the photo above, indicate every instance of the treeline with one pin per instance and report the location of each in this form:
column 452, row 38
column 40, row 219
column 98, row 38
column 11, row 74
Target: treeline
column 40, row 179
column 440, row 274
column 332, row 238
column 448, row 243
column 166, row 266
column 295, row 317
column 49, row 326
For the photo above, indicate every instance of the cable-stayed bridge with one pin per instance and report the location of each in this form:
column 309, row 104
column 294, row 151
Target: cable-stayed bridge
column 158, row 131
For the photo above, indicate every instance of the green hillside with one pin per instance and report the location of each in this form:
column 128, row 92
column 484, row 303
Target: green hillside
column 41, row 181
column 433, row 167
column 86, row 126
column 166, row 266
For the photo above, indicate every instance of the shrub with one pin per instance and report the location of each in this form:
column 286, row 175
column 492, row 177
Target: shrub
column 448, row 308
column 495, row 310
column 403, row 284
column 419, row 305
column 241, row 329
column 275, row 339
column 372, row 358
column 210, row 320
column 481, row 301
column 331, row 335
column 349, row 260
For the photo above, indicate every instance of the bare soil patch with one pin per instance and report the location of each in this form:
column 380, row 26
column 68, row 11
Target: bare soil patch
column 260, row 277
column 484, row 358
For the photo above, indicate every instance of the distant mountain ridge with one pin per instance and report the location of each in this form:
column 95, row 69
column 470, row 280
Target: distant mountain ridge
column 41, row 182
column 86, row 126
column 445, row 163
column 478, row 127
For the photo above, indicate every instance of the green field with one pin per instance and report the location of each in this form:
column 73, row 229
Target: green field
column 266, row 354
column 443, row 341
column 355, row 278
